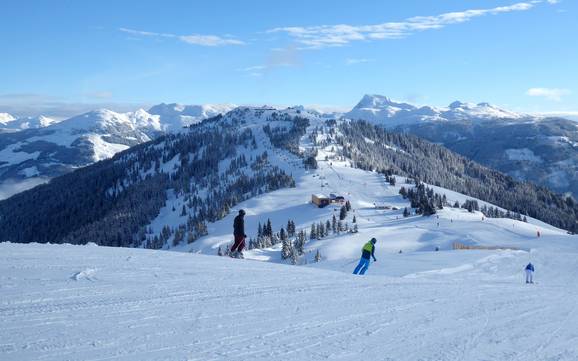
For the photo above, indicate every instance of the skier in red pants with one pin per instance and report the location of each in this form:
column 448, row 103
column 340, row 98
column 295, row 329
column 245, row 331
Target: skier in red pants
column 239, row 233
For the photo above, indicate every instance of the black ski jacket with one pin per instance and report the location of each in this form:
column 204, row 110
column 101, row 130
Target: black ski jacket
column 239, row 226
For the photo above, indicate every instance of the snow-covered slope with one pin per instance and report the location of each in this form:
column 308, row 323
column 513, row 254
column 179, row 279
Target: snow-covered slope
column 91, row 303
column 365, row 190
column 176, row 116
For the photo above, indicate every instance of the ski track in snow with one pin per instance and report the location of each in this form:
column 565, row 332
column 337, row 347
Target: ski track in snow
column 151, row 305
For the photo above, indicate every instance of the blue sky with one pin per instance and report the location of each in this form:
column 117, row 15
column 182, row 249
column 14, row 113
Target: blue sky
column 67, row 56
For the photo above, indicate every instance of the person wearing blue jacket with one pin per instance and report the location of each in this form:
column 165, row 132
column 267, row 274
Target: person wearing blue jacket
column 529, row 273
column 367, row 252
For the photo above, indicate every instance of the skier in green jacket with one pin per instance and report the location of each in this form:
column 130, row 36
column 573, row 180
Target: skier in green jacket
column 368, row 251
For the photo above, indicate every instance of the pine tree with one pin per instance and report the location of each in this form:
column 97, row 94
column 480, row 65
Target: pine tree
column 334, row 224
column 405, row 212
column 286, row 249
column 259, row 230
column 294, row 256
column 219, row 251
column 320, row 230
column 354, row 220
column 300, row 243
column 317, row 257
column 342, row 213
column 403, row 192
column 347, row 206
column 183, row 211
column 355, row 229
column 313, row 232
column 327, row 227
column 269, row 228
column 282, row 235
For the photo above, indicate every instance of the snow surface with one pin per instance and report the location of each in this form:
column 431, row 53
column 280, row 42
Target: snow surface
column 62, row 302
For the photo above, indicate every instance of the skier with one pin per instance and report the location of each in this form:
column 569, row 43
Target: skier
column 239, row 234
column 368, row 251
column 529, row 273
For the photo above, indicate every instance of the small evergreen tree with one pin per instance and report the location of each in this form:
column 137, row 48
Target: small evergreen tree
column 313, row 232
column 334, row 224
column 286, row 249
column 342, row 213
column 317, row 256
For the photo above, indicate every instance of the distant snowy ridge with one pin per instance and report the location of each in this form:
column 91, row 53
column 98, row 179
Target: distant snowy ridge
column 176, row 116
column 8, row 122
column 384, row 111
column 36, row 149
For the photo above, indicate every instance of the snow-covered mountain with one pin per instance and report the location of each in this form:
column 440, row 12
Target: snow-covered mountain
column 383, row 111
column 9, row 123
column 36, row 149
column 533, row 148
column 34, row 155
column 5, row 118
column 176, row 116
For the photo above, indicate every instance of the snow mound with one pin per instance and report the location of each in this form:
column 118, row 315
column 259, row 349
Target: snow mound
column 86, row 274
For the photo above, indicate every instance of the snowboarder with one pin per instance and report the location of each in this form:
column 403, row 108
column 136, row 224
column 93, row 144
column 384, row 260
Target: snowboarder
column 368, row 251
column 529, row 273
column 239, row 234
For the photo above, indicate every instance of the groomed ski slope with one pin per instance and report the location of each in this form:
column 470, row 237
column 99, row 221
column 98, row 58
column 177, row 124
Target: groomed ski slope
column 62, row 302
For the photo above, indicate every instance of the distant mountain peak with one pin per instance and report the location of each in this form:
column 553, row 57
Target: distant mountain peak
column 457, row 104
column 381, row 109
column 6, row 118
column 377, row 101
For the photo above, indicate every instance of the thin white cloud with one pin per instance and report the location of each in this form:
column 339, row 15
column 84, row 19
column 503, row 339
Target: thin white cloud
column 338, row 35
column 555, row 94
column 253, row 68
column 353, row 61
column 572, row 115
column 195, row 39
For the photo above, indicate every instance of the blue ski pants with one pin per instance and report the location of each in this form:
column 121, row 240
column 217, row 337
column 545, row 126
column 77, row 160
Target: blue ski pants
column 362, row 266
